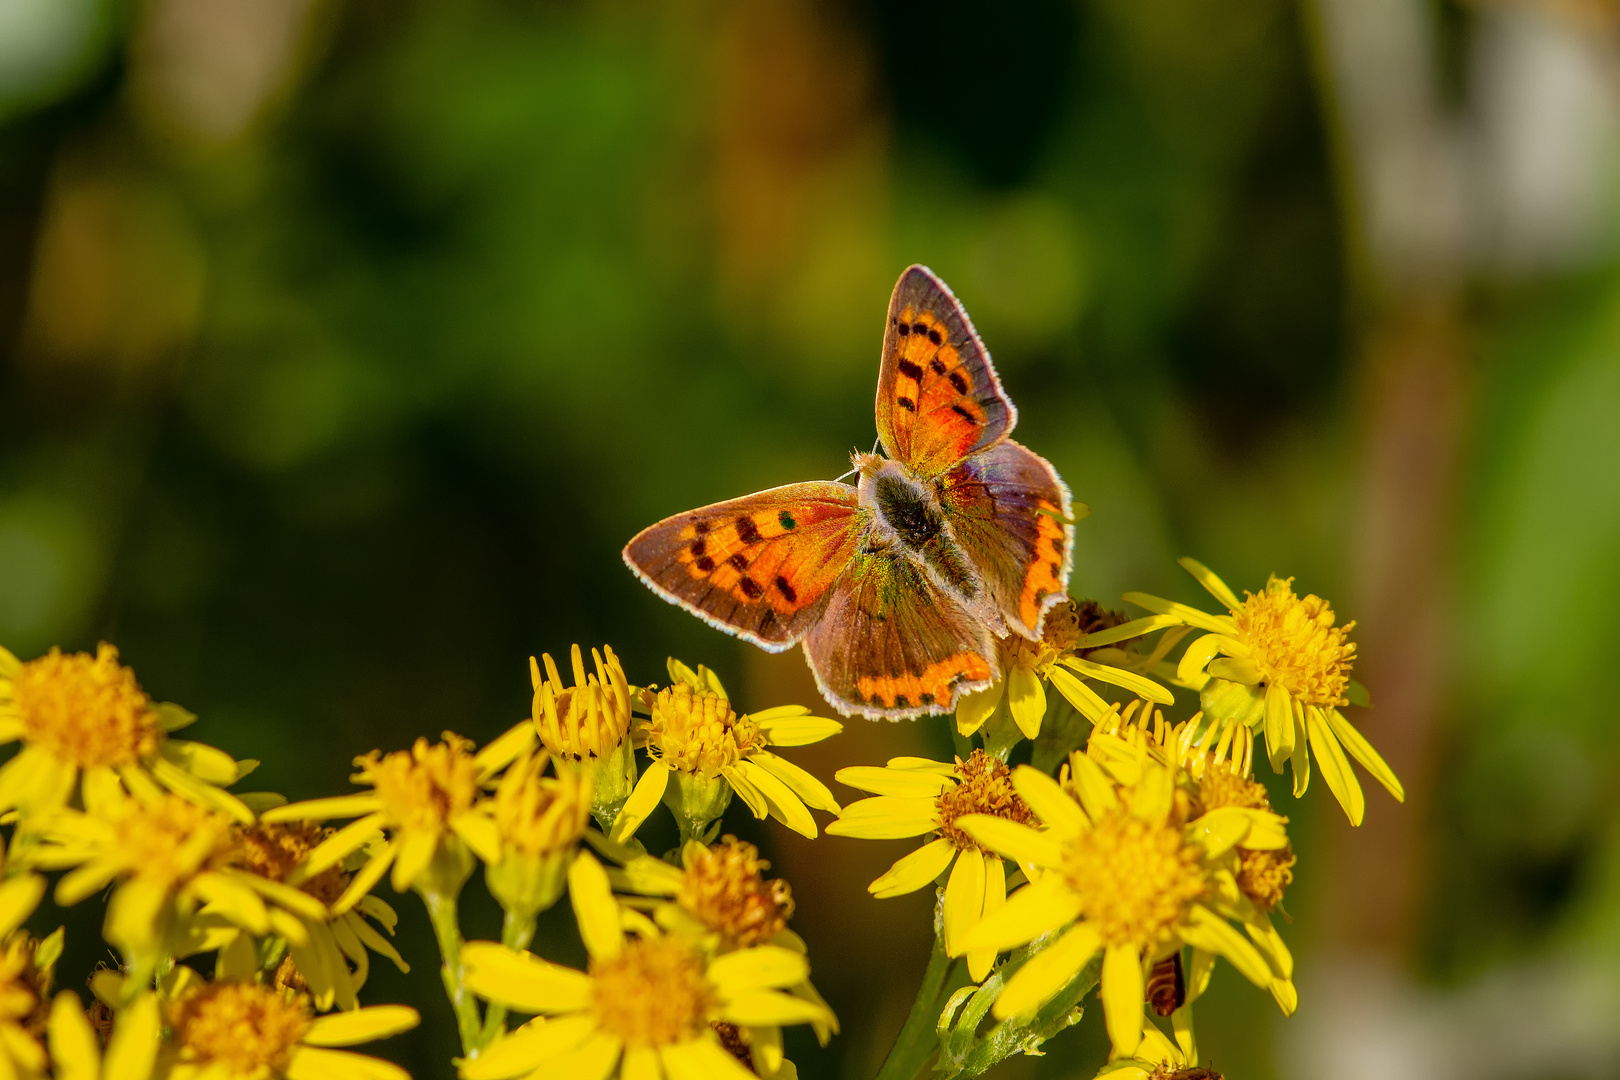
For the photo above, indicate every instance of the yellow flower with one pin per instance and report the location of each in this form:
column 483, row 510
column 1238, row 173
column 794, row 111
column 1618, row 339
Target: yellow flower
column 719, row 895
column 26, row 965
column 917, row 796
column 76, row 1050
column 330, row 952
column 541, row 820
column 85, row 717
column 229, row 1030
column 586, row 724
column 1279, row 663
column 424, row 798
column 168, row 855
column 646, row 1007
column 1119, row 869
column 697, row 739
column 1071, row 638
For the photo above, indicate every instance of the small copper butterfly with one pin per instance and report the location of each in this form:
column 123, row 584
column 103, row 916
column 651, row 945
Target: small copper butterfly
column 901, row 585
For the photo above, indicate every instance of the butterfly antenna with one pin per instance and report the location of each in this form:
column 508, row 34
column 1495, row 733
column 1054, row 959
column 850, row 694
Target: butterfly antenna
column 851, row 472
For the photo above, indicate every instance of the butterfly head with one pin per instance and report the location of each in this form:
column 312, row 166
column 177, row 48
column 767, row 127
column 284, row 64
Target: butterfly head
column 867, row 464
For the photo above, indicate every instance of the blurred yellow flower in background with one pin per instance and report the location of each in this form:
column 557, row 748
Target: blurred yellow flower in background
column 85, row 718
column 423, row 798
column 1278, row 663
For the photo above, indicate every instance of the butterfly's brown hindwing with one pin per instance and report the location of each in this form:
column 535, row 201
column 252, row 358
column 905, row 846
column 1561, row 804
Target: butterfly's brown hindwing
column 938, row 397
column 1013, row 515
column 759, row 566
column 891, row 644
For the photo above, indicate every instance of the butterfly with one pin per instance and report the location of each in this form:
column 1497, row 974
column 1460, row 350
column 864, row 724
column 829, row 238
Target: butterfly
column 900, row 586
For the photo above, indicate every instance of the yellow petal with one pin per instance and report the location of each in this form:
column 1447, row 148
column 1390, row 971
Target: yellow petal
column 1122, row 993
column 134, row 1044
column 1150, row 801
column 505, row 749
column 1198, row 656
column 1047, row 972
column 922, row 764
column 964, row 899
column 18, row 899
column 904, row 782
column 1139, row 685
column 1054, row 806
column 795, row 730
column 915, row 870
column 75, row 1053
column 1026, row 699
column 785, row 806
column 521, row 1050
column 416, row 848
column 759, row 968
column 640, row 1063
column 1078, row 694
column 367, row 876
column 1125, row 631
column 1301, row 753
column 1286, row 996
column 1336, row 772
column 1236, row 669
column 1279, row 726
column 701, row 1059
column 812, row 792
column 1220, row 830
column 522, row 980
column 341, row 806
column 1096, row 790
column 1212, row 582
column 886, row 817
column 980, row 961
column 594, row 907
column 201, row 760
column 1189, row 615
column 975, row 708
column 1181, row 1022
column 1203, row 929
column 1156, row 1048
column 1360, row 749
column 361, row 1025
column 760, row 1007
column 285, row 896
column 1017, row 842
column 646, row 795
column 479, row 831
column 339, row 846
column 594, row 1060
column 315, row 1063
column 1030, row 912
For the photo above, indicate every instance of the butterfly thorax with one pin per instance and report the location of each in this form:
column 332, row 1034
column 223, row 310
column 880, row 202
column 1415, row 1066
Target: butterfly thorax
column 906, row 515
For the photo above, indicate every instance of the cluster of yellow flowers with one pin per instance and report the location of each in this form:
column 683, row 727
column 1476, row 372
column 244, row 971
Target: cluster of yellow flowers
column 1078, row 842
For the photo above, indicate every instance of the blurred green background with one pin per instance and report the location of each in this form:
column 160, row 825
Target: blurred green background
column 343, row 343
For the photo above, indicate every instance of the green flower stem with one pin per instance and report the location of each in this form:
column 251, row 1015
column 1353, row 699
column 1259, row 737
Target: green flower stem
column 442, row 914
column 918, row 1040
column 517, row 931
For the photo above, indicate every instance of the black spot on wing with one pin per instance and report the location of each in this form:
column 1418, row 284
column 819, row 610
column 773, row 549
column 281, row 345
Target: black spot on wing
column 964, row 414
column 738, row 562
column 785, row 519
column 703, row 563
column 906, row 403
column 938, row 366
column 750, row 587
column 910, row 370
column 746, row 531
column 959, row 382
column 789, row 593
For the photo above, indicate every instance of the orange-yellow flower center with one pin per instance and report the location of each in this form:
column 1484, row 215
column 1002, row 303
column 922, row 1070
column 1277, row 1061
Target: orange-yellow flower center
column 243, row 1029
column 654, row 993
column 588, row 719
column 725, row 889
column 541, row 815
column 1265, row 875
column 83, row 709
column 423, row 787
column 697, row 731
column 171, row 841
column 1222, row 786
column 1293, row 641
column 273, row 851
column 984, row 786
column 1134, row 878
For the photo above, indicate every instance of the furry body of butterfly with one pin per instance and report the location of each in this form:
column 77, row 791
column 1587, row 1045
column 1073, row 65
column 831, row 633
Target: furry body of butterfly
column 900, row 586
